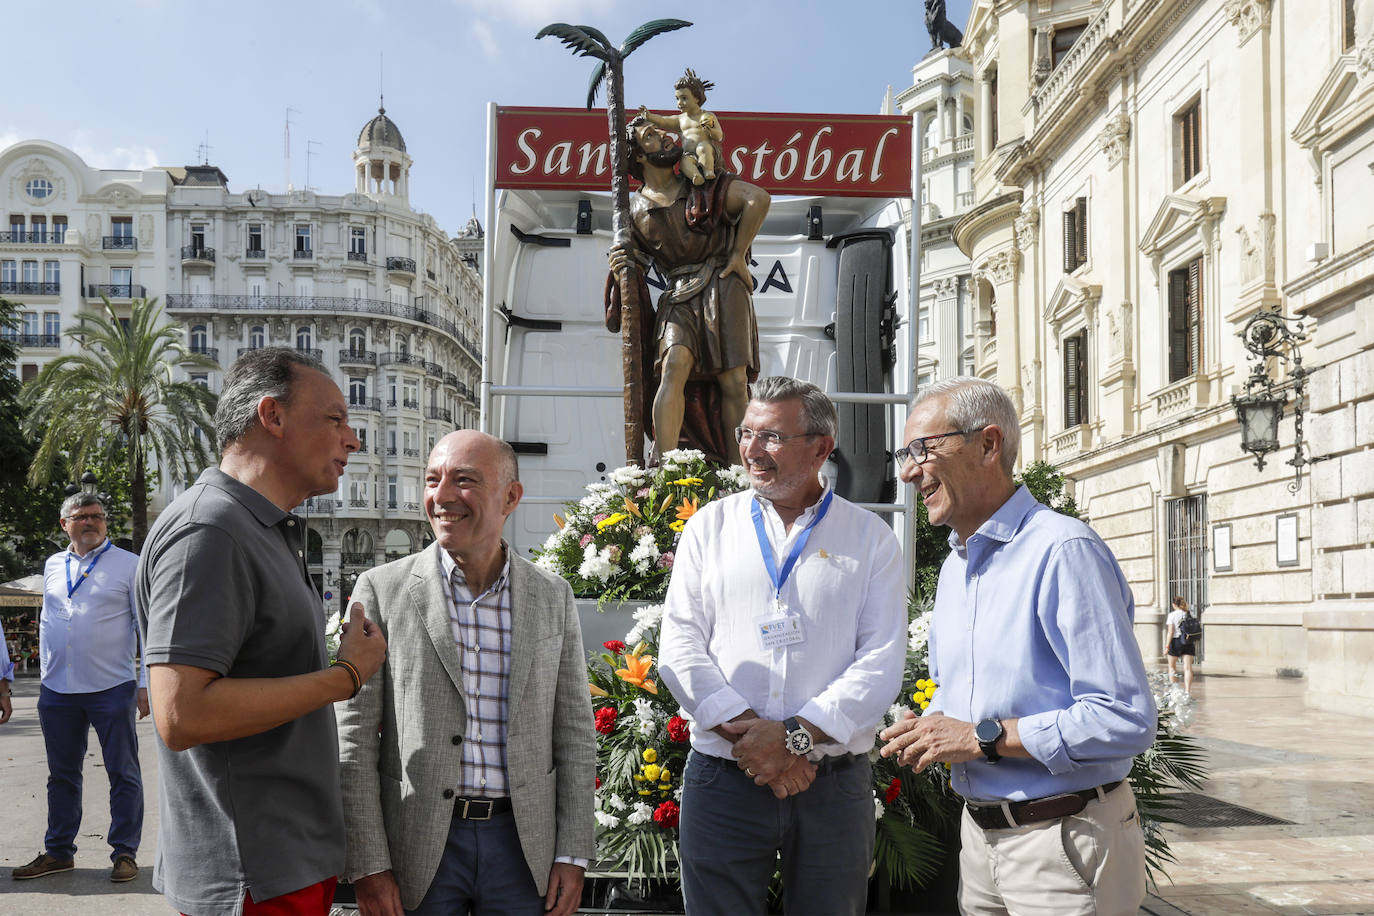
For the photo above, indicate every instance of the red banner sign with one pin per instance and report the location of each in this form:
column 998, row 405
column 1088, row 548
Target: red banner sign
column 801, row 154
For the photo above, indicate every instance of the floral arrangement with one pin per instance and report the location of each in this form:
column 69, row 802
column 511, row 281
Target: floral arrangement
column 641, row 751
column 617, row 542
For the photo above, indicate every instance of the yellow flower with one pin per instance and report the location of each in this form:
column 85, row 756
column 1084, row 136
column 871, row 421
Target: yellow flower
column 687, row 482
column 631, row 508
column 925, row 704
column 687, row 509
column 916, row 697
column 677, row 525
column 636, row 671
column 930, row 691
column 597, row 691
column 645, row 792
column 610, row 520
column 639, row 777
column 651, row 772
column 650, row 755
column 665, row 786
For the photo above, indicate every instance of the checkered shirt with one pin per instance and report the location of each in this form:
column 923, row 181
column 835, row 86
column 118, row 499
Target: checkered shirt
column 481, row 628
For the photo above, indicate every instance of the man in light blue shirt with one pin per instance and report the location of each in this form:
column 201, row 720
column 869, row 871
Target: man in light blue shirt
column 1042, row 700
column 6, row 679
column 88, row 638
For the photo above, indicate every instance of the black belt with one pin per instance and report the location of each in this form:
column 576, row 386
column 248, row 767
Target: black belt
column 479, row 809
column 1014, row 814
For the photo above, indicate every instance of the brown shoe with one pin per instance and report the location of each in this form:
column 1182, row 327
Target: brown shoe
column 125, row 868
column 43, row 865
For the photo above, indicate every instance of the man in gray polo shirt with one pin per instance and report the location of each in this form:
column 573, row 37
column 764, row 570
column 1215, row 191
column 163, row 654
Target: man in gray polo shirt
column 240, row 682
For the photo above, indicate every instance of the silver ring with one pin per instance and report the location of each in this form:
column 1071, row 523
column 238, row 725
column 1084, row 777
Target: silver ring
column 748, row 772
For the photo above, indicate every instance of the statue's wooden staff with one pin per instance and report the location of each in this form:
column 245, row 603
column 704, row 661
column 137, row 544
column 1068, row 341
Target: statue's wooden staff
column 588, row 42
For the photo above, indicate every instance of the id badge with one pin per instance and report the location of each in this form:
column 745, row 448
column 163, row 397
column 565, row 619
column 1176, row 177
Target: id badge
column 779, row 631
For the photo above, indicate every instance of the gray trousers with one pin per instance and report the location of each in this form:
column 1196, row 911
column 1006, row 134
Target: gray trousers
column 733, row 832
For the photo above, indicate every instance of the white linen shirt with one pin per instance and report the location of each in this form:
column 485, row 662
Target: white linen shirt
column 90, row 642
column 847, row 588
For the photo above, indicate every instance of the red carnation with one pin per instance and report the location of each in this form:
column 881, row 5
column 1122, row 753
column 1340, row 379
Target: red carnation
column 605, row 719
column 598, row 782
column 614, row 645
column 678, row 730
column 894, row 789
column 666, row 815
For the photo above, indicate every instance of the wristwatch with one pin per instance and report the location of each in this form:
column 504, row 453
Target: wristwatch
column 988, row 732
column 798, row 739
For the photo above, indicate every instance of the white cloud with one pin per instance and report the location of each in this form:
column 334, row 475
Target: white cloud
column 536, row 12
column 484, row 37
column 99, row 156
column 8, row 137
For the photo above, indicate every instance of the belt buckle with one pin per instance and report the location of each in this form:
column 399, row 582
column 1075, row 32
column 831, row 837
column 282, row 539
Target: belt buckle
column 468, row 806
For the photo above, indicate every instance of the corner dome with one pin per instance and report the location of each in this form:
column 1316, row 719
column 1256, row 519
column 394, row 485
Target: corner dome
column 381, row 131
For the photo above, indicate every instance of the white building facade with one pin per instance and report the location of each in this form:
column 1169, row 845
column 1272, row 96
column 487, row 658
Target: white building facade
column 372, row 288
column 1150, row 175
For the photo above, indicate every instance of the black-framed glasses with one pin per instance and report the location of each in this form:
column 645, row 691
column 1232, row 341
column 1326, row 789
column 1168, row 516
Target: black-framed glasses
column 87, row 517
column 770, row 440
column 917, row 451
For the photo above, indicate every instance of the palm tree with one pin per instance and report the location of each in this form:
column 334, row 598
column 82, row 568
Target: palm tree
column 118, row 395
column 588, row 42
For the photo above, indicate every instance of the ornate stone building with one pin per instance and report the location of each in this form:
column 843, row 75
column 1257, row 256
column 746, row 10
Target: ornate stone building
column 1150, row 175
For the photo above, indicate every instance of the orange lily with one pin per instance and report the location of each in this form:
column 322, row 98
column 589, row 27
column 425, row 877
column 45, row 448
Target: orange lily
column 597, row 691
column 559, row 520
column 687, row 509
column 636, row 671
column 632, row 508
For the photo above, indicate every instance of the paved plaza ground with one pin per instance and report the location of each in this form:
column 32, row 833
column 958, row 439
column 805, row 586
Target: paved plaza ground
column 1268, row 754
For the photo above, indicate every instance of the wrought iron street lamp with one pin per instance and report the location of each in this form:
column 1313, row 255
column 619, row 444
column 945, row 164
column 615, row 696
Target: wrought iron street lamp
column 1270, row 340
column 89, row 484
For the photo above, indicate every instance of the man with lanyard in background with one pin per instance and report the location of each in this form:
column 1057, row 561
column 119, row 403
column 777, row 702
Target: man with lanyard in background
column 88, row 638
column 783, row 639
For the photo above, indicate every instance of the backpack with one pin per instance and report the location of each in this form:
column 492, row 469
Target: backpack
column 1190, row 628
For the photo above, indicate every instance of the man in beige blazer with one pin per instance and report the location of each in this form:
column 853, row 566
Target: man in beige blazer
column 468, row 762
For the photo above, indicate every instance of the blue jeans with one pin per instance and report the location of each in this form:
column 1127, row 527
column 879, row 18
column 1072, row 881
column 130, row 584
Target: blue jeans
column 483, row 872
column 732, row 833
column 66, row 720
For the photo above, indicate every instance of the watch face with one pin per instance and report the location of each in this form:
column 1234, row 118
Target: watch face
column 799, row 742
column 988, row 730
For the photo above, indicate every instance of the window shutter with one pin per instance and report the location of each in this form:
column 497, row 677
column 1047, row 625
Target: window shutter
column 1195, row 316
column 1178, row 325
column 1071, row 382
column 1070, row 241
column 1081, row 252
column 1083, row 377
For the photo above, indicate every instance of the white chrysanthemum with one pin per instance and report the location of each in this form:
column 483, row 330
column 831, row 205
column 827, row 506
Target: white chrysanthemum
column 548, row 561
column 630, row 475
column 333, row 628
column 597, row 564
column 615, row 802
column 677, row 794
column 551, row 542
column 609, row 821
column 645, row 554
column 877, row 808
column 736, row 475
column 641, row 814
column 919, row 632
column 646, row 716
column 895, row 713
column 646, row 619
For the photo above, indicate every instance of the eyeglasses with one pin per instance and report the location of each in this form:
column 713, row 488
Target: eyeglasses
column 917, row 451
column 770, row 440
column 87, row 517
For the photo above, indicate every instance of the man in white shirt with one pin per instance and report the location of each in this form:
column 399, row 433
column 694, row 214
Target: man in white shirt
column 783, row 639
column 87, row 638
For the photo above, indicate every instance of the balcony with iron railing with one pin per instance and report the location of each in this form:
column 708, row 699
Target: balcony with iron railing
column 253, row 254
column 433, row 369
column 303, row 254
column 197, row 253
column 356, row 503
column 357, row 258
column 30, row 287
column 321, row 505
column 391, row 453
column 211, row 352
column 357, row 358
column 410, row 403
column 115, row 291
column 119, row 243
column 374, row 404
column 36, row 341
column 401, row 265
column 356, row 558
column 312, row 352
column 388, row 358
column 40, row 237
column 450, row 379
column 410, row 453
column 439, row 413
column 185, row 302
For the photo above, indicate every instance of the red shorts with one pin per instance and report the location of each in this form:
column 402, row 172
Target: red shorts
column 315, row 900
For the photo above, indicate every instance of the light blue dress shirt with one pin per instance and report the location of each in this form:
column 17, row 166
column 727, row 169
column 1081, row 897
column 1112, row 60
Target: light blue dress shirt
column 1033, row 622
column 6, row 664
column 88, row 642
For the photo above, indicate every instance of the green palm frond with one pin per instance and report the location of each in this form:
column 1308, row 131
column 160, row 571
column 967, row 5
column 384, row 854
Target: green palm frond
column 598, row 77
column 907, row 853
column 649, row 30
column 585, row 41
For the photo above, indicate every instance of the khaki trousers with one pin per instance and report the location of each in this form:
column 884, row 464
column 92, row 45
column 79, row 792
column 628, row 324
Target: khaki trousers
column 1089, row 864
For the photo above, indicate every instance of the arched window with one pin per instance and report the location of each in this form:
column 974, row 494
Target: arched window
column 257, row 337
column 304, row 338
column 357, row 341
column 200, row 340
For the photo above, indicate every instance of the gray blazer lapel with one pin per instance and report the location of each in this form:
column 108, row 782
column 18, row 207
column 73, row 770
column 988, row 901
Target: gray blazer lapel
column 433, row 602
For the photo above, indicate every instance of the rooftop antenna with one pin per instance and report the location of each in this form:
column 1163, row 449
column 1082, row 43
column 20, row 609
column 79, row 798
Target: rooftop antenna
column 308, row 153
column 203, row 151
column 286, row 153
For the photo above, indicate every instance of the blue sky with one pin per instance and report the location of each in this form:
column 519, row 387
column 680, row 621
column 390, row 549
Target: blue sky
column 144, row 82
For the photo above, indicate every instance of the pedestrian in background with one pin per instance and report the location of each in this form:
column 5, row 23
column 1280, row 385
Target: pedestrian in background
column 1177, row 644
column 88, row 640
column 6, row 679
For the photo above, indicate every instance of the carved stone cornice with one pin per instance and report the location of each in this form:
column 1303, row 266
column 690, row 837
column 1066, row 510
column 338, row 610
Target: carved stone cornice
column 1114, row 139
column 1027, row 228
column 1000, row 267
column 1249, row 17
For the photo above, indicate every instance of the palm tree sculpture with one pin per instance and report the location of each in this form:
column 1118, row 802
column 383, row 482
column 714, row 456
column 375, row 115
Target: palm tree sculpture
column 118, row 395
column 588, row 42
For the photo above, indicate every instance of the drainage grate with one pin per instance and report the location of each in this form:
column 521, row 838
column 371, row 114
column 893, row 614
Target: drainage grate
column 1191, row 809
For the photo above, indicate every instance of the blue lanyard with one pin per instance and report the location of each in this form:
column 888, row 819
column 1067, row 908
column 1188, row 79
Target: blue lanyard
column 71, row 588
column 778, row 579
